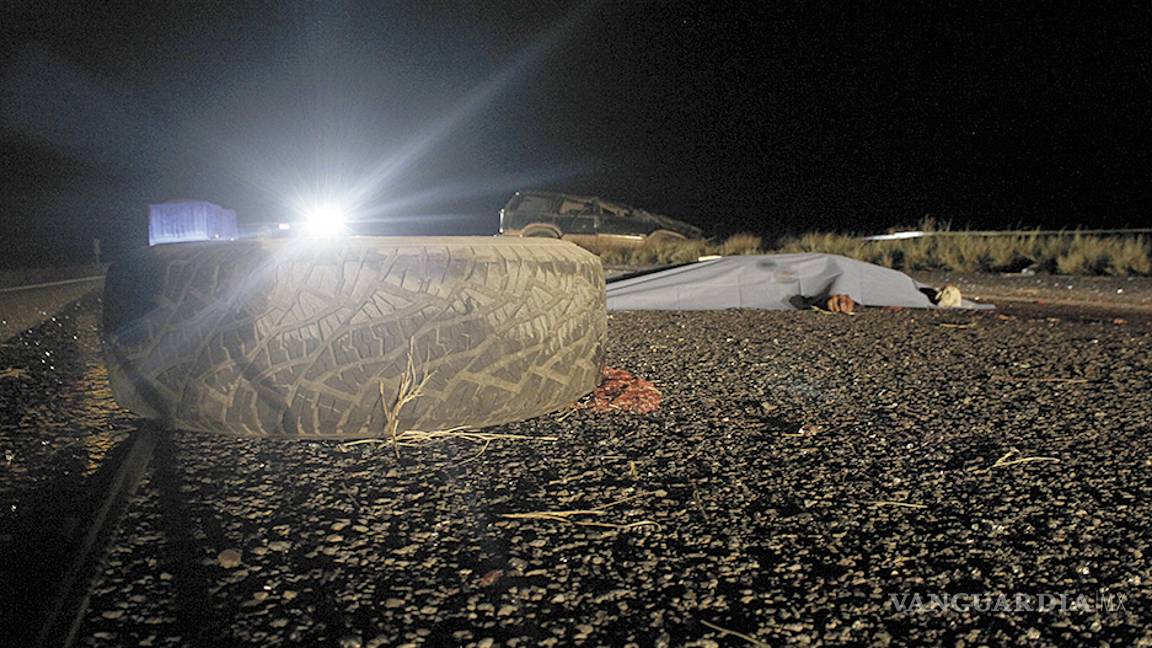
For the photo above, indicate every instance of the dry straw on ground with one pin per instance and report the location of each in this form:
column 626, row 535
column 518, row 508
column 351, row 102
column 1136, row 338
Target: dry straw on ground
column 409, row 389
column 725, row 631
column 1006, row 461
column 572, row 516
column 911, row 505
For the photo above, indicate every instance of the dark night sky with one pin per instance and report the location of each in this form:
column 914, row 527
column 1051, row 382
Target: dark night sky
column 771, row 117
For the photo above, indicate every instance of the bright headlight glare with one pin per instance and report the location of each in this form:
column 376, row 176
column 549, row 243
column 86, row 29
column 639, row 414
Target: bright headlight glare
column 325, row 219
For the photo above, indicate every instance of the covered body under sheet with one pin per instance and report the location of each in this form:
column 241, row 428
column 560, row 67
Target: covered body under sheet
column 770, row 281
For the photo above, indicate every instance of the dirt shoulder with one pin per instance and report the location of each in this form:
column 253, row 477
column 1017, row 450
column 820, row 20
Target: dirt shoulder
column 1081, row 298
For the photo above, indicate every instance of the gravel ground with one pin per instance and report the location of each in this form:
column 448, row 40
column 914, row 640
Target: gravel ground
column 804, row 470
column 58, row 427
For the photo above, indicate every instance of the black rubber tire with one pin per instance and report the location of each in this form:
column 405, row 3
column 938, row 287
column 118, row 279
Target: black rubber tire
column 295, row 337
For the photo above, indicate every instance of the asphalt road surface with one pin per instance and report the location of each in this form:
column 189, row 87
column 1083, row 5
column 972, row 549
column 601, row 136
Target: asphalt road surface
column 807, row 476
column 24, row 307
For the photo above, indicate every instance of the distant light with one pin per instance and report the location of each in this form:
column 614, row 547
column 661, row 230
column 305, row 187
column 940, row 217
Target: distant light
column 895, row 236
column 324, row 219
column 284, row 226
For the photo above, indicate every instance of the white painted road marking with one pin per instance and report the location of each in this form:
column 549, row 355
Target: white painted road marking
column 50, row 284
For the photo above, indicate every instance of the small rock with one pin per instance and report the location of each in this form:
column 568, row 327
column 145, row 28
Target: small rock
column 490, row 578
column 229, row 558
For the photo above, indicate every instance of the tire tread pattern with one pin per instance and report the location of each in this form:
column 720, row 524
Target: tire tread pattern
column 296, row 338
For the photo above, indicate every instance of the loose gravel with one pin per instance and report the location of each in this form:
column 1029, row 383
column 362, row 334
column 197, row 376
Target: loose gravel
column 803, row 471
column 58, row 429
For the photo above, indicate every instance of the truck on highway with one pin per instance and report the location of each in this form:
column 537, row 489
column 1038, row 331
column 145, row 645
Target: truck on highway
column 190, row 220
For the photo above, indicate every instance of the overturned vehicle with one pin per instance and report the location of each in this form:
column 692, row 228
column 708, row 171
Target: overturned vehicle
column 583, row 219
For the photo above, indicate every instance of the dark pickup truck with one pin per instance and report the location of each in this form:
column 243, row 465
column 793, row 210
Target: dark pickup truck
column 580, row 218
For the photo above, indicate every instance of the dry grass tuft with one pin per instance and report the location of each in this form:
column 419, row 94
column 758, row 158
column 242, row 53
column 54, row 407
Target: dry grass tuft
column 945, row 249
column 1132, row 257
column 743, row 243
column 667, row 252
column 1065, row 253
column 410, row 389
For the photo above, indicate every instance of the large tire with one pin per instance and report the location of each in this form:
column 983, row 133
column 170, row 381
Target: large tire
column 297, row 337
